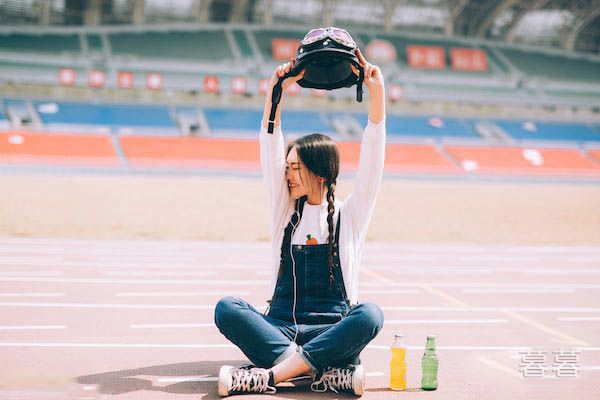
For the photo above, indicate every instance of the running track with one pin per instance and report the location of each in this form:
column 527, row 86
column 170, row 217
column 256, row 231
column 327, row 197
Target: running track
column 85, row 319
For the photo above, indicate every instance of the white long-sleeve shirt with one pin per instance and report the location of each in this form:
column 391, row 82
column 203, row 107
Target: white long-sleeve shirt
column 356, row 209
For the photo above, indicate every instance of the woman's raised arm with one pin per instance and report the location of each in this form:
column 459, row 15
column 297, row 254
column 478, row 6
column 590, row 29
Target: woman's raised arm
column 280, row 71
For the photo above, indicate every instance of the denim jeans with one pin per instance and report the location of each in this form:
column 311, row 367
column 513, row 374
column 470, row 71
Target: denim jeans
column 266, row 341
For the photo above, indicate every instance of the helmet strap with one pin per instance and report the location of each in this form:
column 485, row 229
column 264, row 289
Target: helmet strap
column 359, row 89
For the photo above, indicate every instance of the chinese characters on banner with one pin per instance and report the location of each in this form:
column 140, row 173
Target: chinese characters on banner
column 534, row 363
column 431, row 57
column 473, row 60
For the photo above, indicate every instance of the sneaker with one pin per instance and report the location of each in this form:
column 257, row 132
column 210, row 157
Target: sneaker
column 350, row 379
column 234, row 380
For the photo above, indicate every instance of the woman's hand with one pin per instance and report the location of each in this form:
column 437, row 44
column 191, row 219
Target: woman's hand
column 283, row 69
column 374, row 82
column 373, row 77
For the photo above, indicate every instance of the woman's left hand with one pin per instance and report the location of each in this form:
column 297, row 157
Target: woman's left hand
column 373, row 77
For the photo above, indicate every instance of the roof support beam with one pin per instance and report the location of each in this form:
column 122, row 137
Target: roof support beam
column 512, row 26
column 488, row 20
column 578, row 27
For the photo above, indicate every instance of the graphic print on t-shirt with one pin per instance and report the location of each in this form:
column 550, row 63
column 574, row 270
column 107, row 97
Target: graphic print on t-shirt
column 311, row 240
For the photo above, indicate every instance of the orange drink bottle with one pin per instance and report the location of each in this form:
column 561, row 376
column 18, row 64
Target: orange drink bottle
column 398, row 364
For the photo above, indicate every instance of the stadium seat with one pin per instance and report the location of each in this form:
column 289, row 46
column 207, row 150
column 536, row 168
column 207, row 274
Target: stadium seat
column 40, row 43
column 525, row 130
column 57, row 149
column 111, row 115
column 554, row 66
column 433, row 127
column 523, row 161
column 226, row 154
column 209, row 45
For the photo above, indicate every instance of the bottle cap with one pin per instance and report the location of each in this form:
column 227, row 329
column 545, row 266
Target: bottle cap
column 398, row 335
column 430, row 336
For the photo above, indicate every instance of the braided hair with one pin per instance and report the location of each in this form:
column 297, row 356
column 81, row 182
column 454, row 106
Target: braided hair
column 321, row 157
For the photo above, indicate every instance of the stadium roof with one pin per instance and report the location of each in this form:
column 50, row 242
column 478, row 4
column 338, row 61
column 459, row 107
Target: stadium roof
column 568, row 24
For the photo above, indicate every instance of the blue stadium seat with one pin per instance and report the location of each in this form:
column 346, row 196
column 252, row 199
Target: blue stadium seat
column 524, row 130
column 248, row 121
column 103, row 114
column 242, row 121
column 304, row 122
column 435, row 127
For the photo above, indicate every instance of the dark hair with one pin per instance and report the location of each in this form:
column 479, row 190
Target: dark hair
column 320, row 155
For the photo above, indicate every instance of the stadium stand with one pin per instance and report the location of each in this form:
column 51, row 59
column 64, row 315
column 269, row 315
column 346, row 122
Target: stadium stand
column 60, row 113
column 549, row 66
column 433, row 127
column 40, row 43
column 57, row 149
column 443, row 121
column 527, row 161
column 191, row 45
column 527, row 130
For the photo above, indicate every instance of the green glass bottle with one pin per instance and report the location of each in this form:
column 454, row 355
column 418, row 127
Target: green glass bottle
column 429, row 365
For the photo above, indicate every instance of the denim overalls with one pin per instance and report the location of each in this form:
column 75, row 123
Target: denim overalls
column 316, row 303
column 328, row 332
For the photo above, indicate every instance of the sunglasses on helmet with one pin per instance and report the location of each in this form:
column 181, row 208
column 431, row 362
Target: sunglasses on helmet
column 341, row 36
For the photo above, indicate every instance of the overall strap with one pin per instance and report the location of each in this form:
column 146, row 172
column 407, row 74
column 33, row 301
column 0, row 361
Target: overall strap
column 337, row 228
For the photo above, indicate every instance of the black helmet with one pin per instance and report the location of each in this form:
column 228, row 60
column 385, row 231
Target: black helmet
column 326, row 56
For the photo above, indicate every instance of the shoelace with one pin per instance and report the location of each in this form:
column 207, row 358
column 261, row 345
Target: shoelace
column 253, row 380
column 334, row 379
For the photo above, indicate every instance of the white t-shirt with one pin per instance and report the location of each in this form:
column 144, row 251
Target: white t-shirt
column 313, row 223
column 356, row 209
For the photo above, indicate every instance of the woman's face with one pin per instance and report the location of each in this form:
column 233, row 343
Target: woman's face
column 298, row 177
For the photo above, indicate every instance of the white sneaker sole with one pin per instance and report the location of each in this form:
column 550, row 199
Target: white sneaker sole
column 358, row 380
column 224, row 380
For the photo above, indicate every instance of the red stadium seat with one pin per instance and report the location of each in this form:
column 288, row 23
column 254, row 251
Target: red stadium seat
column 50, row 148
column 145, row 151
column 523, row 161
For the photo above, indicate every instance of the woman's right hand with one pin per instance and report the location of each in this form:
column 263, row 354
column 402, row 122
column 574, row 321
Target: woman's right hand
column 283, row 69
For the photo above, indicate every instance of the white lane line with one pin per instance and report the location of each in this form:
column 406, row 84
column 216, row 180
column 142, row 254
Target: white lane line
column 528, row 291
column 498, row 258
column 175, row 294
column 151, row 326
column 393, row 291
column 231, row 346
column 177, row 379
column 212, row 282
column 211, row 306
column 31, row 327
column 151, row 273
column 483, row 285
column 115, row 306
column 33, row 294
column 136, row 264
column 578, row 319
column 444, row 321
column 90, row 388
column 477, row 309
column 437, row 271
column 380, row 285
column 31, row 273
